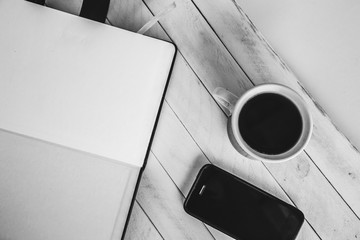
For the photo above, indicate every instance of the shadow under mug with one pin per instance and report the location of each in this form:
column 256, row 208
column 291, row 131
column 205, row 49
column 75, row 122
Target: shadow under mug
column 233, row 106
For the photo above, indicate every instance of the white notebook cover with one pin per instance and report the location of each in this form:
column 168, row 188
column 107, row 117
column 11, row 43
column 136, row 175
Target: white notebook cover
column 79, row 83
column 78, row 104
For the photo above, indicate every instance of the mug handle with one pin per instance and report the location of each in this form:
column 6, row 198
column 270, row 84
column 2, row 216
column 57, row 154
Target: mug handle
column 225, row 99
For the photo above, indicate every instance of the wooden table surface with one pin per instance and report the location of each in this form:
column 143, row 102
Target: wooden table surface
column 218, row 46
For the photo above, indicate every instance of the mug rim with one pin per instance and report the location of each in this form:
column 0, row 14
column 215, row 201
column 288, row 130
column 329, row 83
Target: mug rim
column 296, row 99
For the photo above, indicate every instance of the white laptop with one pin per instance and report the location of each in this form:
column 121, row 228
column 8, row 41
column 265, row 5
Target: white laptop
column 79, row 102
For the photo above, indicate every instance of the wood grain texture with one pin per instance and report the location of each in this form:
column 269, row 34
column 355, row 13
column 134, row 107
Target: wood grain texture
column 163, row 203
column 132, row 15
column 140, row 227
column 192, row 40
column 179, row 156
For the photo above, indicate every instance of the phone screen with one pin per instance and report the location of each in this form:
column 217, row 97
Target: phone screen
column 240, row 209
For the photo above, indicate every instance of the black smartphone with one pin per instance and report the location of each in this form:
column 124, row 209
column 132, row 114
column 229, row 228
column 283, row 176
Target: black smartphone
column 240, row 209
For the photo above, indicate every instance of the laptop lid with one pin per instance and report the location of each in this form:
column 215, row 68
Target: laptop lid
column 79, row 83
column 78, row 105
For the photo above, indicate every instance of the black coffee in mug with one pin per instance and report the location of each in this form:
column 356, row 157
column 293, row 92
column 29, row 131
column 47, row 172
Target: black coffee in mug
column 270, row 123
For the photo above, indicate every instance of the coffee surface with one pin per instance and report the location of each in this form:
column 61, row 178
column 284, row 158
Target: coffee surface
column 270, row 123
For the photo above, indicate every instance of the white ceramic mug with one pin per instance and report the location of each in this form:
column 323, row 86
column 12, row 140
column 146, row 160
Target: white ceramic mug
column 233, row 105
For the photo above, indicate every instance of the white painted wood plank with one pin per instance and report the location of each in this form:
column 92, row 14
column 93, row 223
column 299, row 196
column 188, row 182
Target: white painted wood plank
column 132, row 15
column 163, row 203
column 330, row 150
column 325, row 209
column 140, row 226
column 191, row 38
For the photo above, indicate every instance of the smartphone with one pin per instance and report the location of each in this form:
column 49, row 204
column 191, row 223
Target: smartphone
column 240, row 209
